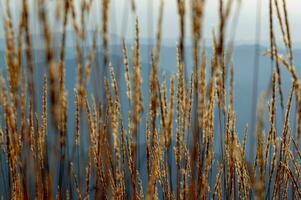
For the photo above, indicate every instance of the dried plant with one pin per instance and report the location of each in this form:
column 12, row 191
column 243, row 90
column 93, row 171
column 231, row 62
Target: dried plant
column 187, row 134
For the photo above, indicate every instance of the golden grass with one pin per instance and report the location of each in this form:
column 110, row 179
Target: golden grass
column 103, row 160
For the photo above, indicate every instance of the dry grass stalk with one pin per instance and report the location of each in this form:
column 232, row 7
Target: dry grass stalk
column 106, row 161
column 127, row 72
column 105, row 29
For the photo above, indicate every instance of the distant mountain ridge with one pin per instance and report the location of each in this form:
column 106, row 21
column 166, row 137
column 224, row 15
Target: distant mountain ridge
column 38, row 41
column 243, row 60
